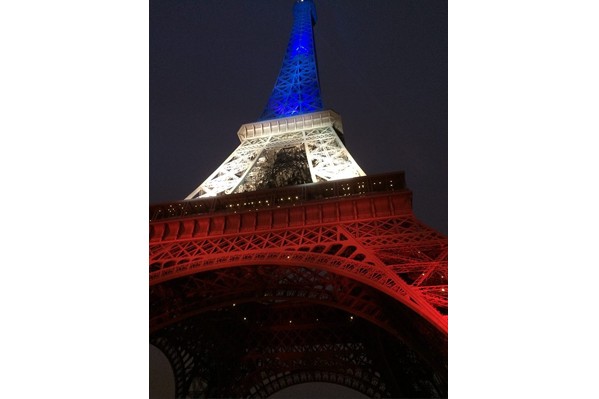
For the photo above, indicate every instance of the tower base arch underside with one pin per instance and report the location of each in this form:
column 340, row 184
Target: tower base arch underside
column 288, row 325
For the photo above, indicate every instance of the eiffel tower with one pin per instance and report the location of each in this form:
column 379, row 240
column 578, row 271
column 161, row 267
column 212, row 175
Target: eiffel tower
column 289, row 265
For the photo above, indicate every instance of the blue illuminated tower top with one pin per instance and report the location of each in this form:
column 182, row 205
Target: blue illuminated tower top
column 297, row 89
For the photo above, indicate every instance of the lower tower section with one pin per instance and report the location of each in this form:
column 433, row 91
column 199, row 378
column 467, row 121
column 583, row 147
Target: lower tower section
column 335, row 281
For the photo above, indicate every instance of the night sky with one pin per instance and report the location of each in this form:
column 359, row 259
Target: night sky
column 382, row 66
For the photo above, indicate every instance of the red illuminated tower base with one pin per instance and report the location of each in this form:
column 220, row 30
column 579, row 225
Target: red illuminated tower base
column 333, row 281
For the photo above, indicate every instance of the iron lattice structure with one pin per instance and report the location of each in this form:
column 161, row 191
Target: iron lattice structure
column 294, row 141
column 297, row 89
column 334, row 281
column 289, row 265
column 281, row 152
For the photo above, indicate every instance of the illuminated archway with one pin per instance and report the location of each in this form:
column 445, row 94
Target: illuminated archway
column 231, row 298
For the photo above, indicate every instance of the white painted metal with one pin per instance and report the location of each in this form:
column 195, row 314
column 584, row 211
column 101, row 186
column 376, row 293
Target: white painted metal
column 317, row 132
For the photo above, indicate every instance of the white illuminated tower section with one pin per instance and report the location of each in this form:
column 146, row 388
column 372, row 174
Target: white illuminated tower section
column 295, row 141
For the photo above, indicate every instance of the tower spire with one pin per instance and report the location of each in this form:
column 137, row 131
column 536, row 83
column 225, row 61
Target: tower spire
column 297, row 89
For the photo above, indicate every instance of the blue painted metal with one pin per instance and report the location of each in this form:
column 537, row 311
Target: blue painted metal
column 297, row 90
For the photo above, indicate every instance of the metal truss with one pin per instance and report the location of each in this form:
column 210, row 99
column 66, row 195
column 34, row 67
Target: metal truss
column 282, row 280
column 253, row 350
column 297, row 88
column 199, row 293
column 397, row 255
column 282, row 152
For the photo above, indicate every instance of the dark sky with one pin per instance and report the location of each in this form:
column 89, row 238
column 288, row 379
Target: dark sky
column 382, row 65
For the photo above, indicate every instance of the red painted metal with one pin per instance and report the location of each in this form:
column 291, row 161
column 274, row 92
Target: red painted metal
column 250, row 293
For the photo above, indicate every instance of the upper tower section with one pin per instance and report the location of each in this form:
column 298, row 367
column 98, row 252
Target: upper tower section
column 297, row 90
column 295, row 141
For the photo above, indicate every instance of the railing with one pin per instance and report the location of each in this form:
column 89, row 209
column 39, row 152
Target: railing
column 277, row 197
column 312, row 120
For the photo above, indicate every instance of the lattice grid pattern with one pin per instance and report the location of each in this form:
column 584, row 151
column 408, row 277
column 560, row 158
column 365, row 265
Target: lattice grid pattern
column 297, row 88
column 285, row 344
column 250, row 166
column 360, row 255
column 398, row 255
